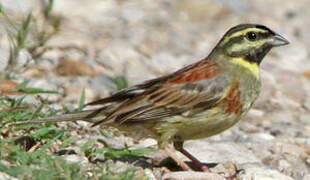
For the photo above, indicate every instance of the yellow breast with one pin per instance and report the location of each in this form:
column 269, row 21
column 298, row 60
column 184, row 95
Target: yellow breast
column 251, row 66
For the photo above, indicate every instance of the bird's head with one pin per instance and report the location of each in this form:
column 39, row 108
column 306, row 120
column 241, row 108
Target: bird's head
column 250, row 42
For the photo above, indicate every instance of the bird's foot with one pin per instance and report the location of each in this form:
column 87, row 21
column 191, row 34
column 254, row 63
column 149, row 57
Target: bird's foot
column 181, row 163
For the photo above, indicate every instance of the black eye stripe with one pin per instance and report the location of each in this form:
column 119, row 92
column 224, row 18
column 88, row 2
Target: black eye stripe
column 264, row 34
column 234, row 40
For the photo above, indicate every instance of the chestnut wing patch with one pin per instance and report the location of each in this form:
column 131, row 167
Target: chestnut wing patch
column 232, row 99
column 199, row 71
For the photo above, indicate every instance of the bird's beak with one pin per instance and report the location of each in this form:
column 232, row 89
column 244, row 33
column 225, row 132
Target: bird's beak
column 278, row 40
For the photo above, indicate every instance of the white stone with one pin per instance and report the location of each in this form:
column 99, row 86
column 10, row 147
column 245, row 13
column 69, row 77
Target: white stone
column 216, row 152
column 189, row 175
column 257, row 173
column 4, row 176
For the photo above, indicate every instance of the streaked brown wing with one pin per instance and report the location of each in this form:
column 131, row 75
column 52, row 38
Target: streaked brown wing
column 191, row 89
column 169, row 101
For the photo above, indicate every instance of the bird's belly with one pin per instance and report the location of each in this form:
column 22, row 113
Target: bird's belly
column 207, row 124
column 204, row 124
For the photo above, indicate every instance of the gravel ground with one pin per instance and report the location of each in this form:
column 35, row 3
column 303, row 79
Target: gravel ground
column 142, row 39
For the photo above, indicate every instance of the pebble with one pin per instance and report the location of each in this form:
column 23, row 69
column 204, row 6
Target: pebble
column 73, row 158
column 259, row 173
column 188, row 175
column 4, row 176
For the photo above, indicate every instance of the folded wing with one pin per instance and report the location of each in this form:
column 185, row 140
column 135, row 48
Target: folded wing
column 192, row 89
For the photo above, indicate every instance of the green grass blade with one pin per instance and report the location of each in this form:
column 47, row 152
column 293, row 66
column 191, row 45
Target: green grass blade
column 82, row 101
column 23, row 84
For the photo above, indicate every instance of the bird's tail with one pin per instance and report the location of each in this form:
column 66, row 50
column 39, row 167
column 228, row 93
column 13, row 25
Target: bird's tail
column 84, row 115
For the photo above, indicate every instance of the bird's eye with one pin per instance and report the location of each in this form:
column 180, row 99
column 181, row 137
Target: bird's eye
column 251, row 36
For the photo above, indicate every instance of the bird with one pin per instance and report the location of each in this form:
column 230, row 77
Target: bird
column 198, row 101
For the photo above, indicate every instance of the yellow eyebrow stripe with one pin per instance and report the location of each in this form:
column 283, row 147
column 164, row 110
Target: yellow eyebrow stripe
column 252, row 67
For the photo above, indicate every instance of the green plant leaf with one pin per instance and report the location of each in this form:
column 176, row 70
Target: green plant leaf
column 120, row 82
column 82, row 101
column 23, row 31
column 104, row 133
column 118, row 153
column 47, row 133
column 23, row 84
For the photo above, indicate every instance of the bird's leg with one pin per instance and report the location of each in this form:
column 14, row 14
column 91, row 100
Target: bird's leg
column 181, row 163
column 178, row 145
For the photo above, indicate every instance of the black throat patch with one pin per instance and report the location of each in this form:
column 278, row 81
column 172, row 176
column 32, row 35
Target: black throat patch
column 257, row 55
